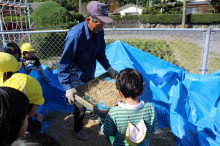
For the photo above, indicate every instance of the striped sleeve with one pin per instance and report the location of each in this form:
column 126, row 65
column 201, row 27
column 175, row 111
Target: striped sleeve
column 109, row 128
column 154, row 125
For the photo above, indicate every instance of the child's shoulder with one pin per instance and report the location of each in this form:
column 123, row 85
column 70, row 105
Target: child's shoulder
column 148, row 104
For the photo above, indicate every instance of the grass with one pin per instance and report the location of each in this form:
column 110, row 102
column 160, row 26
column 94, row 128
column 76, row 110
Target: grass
column 184, row 54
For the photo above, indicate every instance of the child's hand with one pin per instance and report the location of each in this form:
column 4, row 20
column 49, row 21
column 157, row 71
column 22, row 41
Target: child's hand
column 36, row 69
column 46, row 80
column 39, row 116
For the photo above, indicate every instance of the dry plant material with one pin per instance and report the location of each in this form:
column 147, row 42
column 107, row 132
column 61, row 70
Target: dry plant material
column 104, row 92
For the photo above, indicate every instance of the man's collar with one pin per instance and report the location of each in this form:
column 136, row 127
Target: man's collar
column 88, row 34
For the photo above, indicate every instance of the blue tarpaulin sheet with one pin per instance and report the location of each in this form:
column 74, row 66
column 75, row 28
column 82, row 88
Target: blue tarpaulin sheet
column 187, row 103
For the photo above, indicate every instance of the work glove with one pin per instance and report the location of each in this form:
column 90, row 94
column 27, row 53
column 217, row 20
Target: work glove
column 70, row 94
column 113, row 73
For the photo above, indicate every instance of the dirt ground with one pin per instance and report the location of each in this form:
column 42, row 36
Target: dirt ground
column 62, row 130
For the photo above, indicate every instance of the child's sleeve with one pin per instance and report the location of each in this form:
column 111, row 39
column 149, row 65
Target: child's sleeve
column 42, row 72
column 154, row 126
column 109, row 128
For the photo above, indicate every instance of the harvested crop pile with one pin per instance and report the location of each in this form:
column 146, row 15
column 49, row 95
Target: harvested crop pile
column 103, row 91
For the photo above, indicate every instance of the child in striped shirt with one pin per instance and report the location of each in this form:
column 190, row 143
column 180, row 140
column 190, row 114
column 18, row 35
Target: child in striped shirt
column 132, row 121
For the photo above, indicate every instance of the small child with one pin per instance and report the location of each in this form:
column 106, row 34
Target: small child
column 30, row 60
column 38, row 139
column 32, row 88
column 14, row 107
column 8, row 66
column 13, row 49
column 132, row 121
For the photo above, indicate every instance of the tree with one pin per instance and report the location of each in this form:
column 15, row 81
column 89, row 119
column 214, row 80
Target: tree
column 50, row 14
column 216, row 5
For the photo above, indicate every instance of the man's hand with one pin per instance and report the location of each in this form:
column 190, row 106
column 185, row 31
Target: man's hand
column 70, row 94
column 113, row 73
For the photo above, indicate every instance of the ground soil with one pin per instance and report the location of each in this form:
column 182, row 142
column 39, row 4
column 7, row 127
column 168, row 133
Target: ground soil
column 61, row 129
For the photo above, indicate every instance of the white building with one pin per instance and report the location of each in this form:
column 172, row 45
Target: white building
column 129, row 9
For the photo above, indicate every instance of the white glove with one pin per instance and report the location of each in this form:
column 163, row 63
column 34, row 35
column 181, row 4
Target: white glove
column 113, row 73
column 70, row 94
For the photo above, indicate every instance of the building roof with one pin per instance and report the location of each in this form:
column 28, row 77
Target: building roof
column 198, row 3
column 129, row 5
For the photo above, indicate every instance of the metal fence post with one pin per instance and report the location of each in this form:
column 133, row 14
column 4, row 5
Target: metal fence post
column 206, row 52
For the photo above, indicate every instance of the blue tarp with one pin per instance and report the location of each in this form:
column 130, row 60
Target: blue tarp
column 187, row 103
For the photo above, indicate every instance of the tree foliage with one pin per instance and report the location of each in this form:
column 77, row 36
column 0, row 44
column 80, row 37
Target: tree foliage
column 216, row 5
column 50, row 14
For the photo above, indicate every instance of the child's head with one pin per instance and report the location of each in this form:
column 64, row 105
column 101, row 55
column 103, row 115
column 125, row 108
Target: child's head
column 27, row 50
column 38, row 139
column 13, row 49
column 8, row 66
column 14, row 106
column 29, row 86
column 130, row 83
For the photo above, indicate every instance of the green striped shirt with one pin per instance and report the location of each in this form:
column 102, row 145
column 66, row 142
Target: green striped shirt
column 116, row 122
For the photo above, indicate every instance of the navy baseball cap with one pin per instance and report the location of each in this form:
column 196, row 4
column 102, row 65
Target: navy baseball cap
column 100, row 10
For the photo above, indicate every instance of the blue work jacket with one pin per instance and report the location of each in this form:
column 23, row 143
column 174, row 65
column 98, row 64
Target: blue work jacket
column 78, row 61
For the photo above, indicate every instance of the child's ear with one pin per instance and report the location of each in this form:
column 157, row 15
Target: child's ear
column 119, row 92
column 143, row 88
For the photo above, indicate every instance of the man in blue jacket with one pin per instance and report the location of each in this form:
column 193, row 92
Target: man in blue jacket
column 84, row 45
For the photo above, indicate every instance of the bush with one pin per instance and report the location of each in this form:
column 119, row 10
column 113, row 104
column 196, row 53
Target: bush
column 158, row 48
column 116, row 17
column 77, row 16
column 178, row 4
column 163, row 19
column 203, row 18
column 130, row 17
column 177, row 10
column 151, row 10
column 50, row 14
column 15, row 19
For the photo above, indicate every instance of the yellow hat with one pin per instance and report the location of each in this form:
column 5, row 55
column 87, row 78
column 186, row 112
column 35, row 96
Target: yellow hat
column 28, row 85
column 8, row 63
column 27, row 47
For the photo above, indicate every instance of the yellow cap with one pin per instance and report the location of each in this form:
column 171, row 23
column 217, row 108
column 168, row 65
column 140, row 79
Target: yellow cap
column 8, row 63
column 28, row 85
column 27, row 47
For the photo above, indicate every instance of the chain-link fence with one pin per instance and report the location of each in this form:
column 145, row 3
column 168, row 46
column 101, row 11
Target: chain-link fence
column 183, row 47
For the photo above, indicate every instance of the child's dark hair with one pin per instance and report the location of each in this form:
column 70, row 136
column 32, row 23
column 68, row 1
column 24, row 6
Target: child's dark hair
column 130, row 83
column 14, row 106
column 38, row 139
column 12, row 48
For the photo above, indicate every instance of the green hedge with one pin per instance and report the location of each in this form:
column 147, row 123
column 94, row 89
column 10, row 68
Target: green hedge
column 16, row 18
column 126, row 17
column 164, row 19
column 203, row 18
column 177, row 18
column 130, row 17
column 116, row 17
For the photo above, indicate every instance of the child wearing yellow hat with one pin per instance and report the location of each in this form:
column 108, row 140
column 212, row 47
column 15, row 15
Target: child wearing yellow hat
column 32, row 88
column 30, row 60
column 8, row 65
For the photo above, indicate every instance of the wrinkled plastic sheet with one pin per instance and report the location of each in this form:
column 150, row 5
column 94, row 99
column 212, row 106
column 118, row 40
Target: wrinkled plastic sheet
column 187, row 103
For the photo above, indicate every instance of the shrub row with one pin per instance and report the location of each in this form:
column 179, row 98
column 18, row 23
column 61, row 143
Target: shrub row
column 16, row 19
column 158, row 48
column 177, row 18
column 126, row 17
